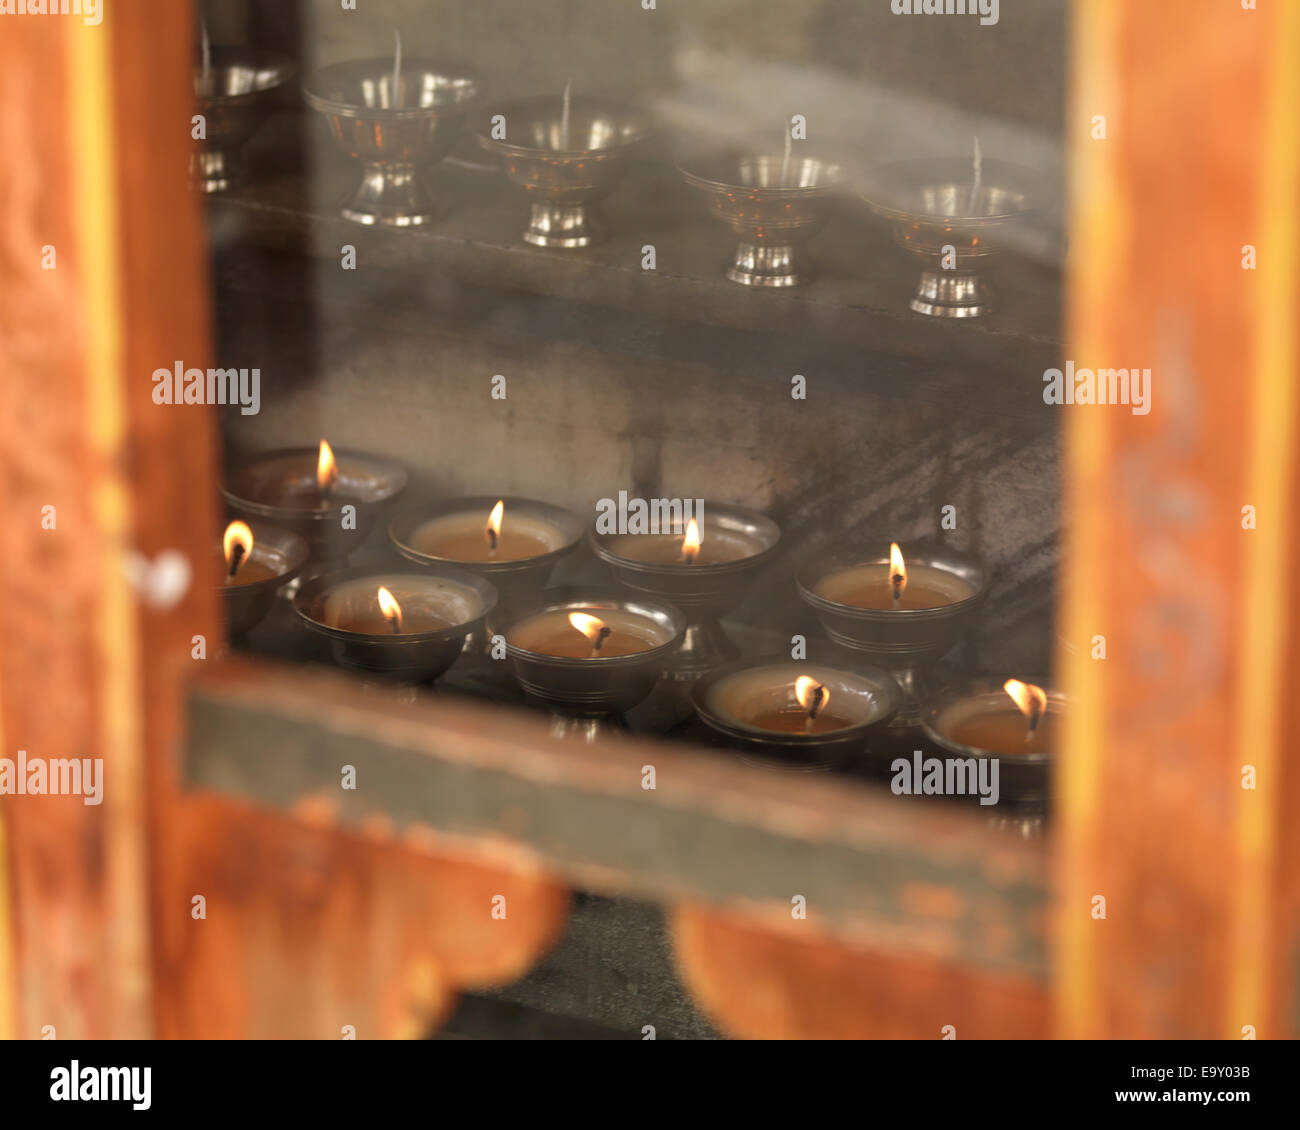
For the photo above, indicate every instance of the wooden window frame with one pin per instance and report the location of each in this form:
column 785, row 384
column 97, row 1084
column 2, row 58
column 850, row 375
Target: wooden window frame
column 223, row 775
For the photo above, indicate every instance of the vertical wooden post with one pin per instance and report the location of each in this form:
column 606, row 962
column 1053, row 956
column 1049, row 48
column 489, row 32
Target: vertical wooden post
column 101, row 244
column 1198, row 609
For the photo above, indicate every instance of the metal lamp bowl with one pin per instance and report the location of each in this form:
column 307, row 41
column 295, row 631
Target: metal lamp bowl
column 1024, row 778
column 397, row 132
column 773, row 219
column 897, row 639
column 365, row 482
column 564, row 182
column 284, row 553
column 517, row 581
column 240, row 85
column 407, row 657
column 930, row 205
column 594, row 687
column 868, row 694
column 703, row 592
column 711, row 588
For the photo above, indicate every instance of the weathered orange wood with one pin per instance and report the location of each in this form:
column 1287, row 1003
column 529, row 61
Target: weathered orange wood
column 169, row 453
column 795, row 983
column 309, row 931
column 1202, row 117
column 68, row 665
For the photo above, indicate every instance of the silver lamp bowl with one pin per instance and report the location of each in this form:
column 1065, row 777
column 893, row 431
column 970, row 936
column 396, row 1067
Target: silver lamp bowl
column 729, row 698
column 278, row 486
column 905, row 641
column 773, row 207
column 1024, row 778
column 520, row 582
column 397, row 131
column 704, row 592
column 233, row 98
column 588, row 696
column 563, row 178
column 934, row 204
column 457, row 597
column 284, row 554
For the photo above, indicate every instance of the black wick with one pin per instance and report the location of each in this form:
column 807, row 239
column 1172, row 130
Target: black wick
column 819, row 697
column 1035, row 715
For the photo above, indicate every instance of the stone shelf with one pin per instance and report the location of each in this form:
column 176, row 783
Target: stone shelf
column 858, row 300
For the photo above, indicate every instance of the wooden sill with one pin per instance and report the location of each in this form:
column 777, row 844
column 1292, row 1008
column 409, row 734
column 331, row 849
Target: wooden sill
column 877, row 870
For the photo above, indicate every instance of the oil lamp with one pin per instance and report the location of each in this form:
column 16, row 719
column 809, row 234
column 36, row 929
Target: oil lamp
column 808, row 710
column 701, row 567
column 331, row 503
column 591, row 656
column 904, row 610
column 401, row 627
column 257, row 559
column 1018, row 722
column 566, row 154
column 234, row 87
column 773, row 204
column 942, row 208
column 511, row 542
column 398, row 117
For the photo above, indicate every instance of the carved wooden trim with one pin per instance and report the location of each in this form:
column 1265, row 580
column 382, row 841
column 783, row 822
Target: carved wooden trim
column 791, row 981
column 310, row 931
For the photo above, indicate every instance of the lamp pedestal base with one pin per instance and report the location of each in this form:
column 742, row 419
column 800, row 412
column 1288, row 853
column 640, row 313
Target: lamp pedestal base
column 391, row 196
column 214, row 170
column 564, row 225
column 770, row 264
column 951, row 294
column 586, row 727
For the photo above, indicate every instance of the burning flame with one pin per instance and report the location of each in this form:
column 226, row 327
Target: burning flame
column 806, row 693
column 390, row 608
column 897, row 570
column 237, row 535
column 492, row 530
column 691, row 542
column 589, row 626
column 1031, row 700
column 327, row 471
